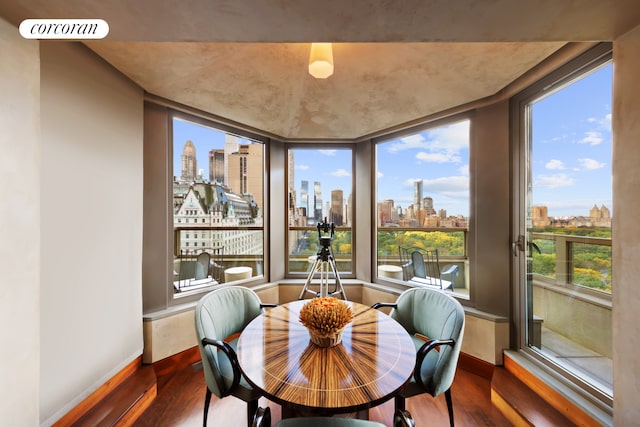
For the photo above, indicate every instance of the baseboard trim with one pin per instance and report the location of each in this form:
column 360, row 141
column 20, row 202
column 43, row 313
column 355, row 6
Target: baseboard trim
column 101, row 392
column 476, row 366
column 177, row 361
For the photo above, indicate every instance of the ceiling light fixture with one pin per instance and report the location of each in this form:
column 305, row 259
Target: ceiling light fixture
column 321, row 60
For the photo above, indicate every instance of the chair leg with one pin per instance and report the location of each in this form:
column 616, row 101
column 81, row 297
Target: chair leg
column 207, row 400
column 252, row 408
column 447, row 396
column 399, row 403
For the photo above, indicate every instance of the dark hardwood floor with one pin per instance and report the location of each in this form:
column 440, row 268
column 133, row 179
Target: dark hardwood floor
column 181, row 394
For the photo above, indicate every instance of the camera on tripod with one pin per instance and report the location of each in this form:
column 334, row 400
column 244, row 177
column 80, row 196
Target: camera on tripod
column 324, row 242
column 324, row 264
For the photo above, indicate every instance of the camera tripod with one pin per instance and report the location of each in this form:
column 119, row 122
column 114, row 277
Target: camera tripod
column 324, row 263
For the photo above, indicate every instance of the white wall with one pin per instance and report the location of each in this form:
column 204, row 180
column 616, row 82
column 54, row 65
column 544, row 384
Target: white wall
column 91, row 222
column 19, row 227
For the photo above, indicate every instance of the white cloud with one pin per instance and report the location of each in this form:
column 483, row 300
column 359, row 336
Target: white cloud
column 453, row 184
column 340, row 173
column 438, row 157
column 592, row 138
column 553, row 181
column 328, row 152
column 301, row 167
column 603, row 123
column 408, row 143
column 446, row 141
column 554, row 165
column 464, row 170
column 590, row 164
column 380, row 175
column 447, row 184
column 450, row 138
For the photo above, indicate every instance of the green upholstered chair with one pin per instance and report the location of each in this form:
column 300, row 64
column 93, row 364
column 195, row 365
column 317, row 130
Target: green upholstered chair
column 219, row 315
column 435, row 321
column 263, row 419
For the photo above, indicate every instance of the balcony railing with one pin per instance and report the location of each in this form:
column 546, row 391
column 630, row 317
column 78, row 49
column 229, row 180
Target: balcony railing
column 571, row 291
column 450, row 242
column 241, row 247
column 573, row 260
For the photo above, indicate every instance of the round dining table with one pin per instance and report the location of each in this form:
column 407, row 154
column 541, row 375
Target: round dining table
column 372, row 363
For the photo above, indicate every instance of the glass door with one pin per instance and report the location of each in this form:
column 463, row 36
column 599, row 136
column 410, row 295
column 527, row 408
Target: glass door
column 563, row 237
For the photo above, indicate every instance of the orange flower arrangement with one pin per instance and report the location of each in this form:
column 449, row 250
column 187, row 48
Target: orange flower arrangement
column 325, row 317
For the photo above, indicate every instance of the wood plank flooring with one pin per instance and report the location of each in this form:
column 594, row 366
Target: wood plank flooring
column 180, row 402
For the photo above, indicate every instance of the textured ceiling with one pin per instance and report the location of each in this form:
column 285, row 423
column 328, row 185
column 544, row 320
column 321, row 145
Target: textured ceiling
column 396, row 61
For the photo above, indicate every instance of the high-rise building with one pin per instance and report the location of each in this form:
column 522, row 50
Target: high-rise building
column 231, row 145
column 317, row 202
column 245, row 168
column 417, row 194
column 427, row 205
column 385, row 210
column 293, row 196
column 337, row 202
column 216, row 166
column 304, row 197
column 189, row 163
column 540, row 216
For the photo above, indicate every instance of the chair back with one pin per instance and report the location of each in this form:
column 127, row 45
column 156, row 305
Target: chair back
column 436, row 315
column 406, row 263
column 202, row 265
column 419, row 268
column 432, row 265
column 218, row 315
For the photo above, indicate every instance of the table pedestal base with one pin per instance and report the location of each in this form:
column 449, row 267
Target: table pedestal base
column 294, row 411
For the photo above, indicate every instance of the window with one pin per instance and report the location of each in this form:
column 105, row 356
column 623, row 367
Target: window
column 320, row 189
column 423, row 200
column 218, row 181
column 565, row 215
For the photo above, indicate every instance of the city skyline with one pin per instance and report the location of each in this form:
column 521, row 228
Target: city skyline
column 330, row 167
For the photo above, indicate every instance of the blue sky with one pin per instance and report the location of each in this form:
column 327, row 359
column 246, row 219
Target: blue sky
column 439, row 157
column 331, row 167
column 571, row 168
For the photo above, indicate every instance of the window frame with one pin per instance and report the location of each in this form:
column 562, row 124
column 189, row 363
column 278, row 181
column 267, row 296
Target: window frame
column 466, row 298
column 201, row 120
column 287, row 227
column 572, row 71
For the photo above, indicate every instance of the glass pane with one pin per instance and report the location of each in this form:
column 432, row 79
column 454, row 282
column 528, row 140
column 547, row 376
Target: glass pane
column 423, row 201
column 218, row 192
column 570, row 197
column 320, row 183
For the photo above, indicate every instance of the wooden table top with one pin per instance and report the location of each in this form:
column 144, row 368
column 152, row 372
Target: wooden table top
column 374, row 360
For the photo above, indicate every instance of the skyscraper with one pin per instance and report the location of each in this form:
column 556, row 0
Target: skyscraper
column 216, row 166
column 427, row 205
column 304, row 197
column 231, row 145
column 417, row 194
column 385, row 210
column 337, row 202
column 189, row 164
column 245, row 168
column 317, row 202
